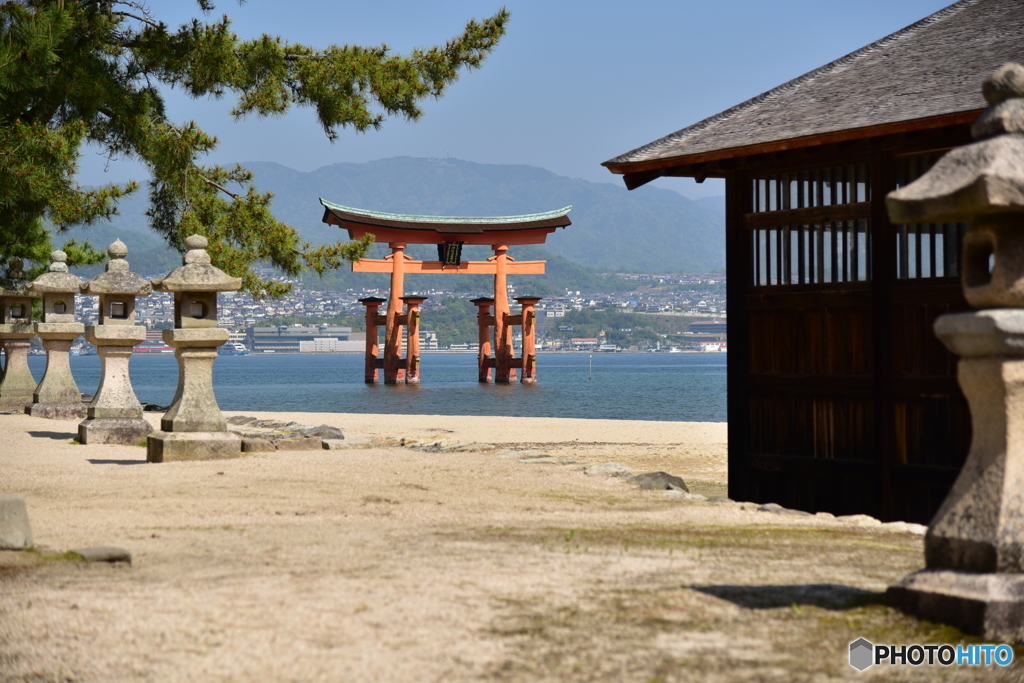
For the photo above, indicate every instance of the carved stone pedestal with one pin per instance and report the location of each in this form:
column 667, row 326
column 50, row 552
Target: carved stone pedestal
column 987, row 604
column 57, row 397
column 194, row 427
column 115, row 414
column 974, row 548
column 168, row 446
column 17, row 383
column 16, row 331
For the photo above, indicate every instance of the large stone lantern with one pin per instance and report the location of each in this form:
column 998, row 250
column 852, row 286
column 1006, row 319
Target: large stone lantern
column 57, row 396
column 974, row 548
column 16, row 331
column 115, row 415
column 193, row 427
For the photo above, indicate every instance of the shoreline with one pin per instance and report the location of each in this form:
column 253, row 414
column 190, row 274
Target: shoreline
column 422, row 352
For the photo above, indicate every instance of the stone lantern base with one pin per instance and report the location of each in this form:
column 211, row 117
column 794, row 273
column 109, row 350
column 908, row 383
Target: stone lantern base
column 973, row 550
column 193, row 428
column 57, row 397
column 170, row 446
column 990, row 605
column 115, row 415
column 56, row 411
column 16, row 381
column 114, row 430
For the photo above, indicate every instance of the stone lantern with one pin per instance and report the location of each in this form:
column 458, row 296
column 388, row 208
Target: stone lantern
column 57, row 396
column 974, row 548
column 115, row 415
column 16, row 331
column 193, row 427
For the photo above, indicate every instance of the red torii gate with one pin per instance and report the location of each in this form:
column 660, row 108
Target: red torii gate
column 449, row 234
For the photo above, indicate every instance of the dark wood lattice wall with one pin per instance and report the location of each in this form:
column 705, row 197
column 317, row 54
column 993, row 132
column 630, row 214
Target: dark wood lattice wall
column 841, row 399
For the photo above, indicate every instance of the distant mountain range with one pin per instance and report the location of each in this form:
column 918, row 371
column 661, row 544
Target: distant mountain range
column 648, row 230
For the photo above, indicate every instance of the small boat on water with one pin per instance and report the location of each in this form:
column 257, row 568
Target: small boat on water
column 153, row 347
column 233, row 349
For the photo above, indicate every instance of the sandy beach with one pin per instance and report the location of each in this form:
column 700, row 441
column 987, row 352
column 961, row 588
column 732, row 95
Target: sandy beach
column 398, row 563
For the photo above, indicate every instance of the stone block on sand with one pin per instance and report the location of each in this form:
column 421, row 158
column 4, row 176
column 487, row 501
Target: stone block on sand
column 345, row 444
column 989, row 603
column 253, row 445
column 656, row 481
column 169, row 446
column 299, row 443
column 608, row 469
column 323, row 431
column 15, row 532
column 121, row 430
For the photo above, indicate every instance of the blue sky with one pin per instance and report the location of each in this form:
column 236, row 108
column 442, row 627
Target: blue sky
column 572, row 84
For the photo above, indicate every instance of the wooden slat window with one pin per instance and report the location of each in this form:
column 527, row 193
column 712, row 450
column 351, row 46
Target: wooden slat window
column 925, row 250
column 811, row 226
column 812, row 253
column 830, row 186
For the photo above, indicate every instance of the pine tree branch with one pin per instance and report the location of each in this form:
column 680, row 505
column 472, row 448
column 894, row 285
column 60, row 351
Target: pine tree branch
column 297, row 58
column 144, row 20
column 221, row 188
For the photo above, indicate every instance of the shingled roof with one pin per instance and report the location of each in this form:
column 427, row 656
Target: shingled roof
column 336, row 214
column 924, row 76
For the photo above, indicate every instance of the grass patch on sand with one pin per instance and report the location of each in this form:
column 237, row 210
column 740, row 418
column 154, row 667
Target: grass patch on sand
column 45, row 556
column 769, row 538
column 678, row 633
column 723, row 603
column 711, row 489
column 14, row 562
column 222, row 527
column 584, row 498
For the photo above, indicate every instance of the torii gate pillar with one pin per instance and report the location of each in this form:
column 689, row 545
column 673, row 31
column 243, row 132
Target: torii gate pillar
column 484, row 321
column 373, row 321
column 504, row 355
column 412, row 330
column 394, row 368
column 529, row 319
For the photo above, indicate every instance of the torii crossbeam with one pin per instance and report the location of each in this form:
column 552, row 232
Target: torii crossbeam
column 449, row 234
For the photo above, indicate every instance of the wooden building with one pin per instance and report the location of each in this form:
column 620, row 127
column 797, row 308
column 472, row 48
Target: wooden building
column 840, row 397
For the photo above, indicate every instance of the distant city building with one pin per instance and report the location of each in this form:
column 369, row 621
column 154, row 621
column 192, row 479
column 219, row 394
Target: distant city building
column 584, row 343
column 428, row 340
column 332, row 345
column 716, row 327
column 286, row 338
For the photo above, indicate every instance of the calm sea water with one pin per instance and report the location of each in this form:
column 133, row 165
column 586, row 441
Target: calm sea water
column 633, row 386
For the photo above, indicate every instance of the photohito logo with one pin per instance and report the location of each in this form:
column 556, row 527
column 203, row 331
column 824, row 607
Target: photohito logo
column 865, row 654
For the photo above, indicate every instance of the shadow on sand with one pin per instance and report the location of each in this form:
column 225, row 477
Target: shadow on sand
column 826, row 595
column 56, row 436
column 96, row 461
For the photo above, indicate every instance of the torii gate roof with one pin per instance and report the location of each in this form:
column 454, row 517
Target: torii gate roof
column 531, row 228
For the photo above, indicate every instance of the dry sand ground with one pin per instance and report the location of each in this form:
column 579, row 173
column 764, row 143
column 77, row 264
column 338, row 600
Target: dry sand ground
column 394, row 564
